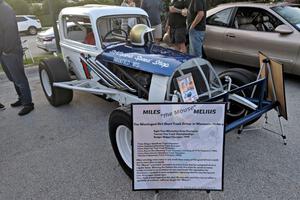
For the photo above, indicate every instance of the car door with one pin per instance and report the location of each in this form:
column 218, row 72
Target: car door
column 22, row 23
column 74, row 31
column 245, row 39
column 216, row 26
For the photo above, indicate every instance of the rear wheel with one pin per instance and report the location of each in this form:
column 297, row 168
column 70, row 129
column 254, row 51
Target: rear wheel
column 54, row 70
column 32, row 30
column 120, row 133
column 239, row 77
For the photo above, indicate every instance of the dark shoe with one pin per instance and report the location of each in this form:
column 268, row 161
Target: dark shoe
column 2, row 107
column 16, row 104
column 26, row 109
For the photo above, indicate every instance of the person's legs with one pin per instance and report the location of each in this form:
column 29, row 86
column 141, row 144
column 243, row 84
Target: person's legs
column 5, row 69
column 19, row 101
column 14, row 64
column 157, row 33
column 196, row 39
column 180, row 39
column 182, row 47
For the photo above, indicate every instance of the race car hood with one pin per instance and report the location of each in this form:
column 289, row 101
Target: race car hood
column 151, row 58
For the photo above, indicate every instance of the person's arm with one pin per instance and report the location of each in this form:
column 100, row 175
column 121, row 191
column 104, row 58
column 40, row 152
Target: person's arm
column 172, row 9
column 10, row 31
column 143, row 4
column 1, row 39
column 1, row 34
column 167, row 27
column 198, row 18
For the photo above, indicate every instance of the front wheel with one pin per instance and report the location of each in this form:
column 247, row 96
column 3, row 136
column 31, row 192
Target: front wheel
column 54, row 70
column 120, row 133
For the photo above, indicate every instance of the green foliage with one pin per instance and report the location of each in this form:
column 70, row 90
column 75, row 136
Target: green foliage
column 37, row 60
column 57, row 6
column 20, row 7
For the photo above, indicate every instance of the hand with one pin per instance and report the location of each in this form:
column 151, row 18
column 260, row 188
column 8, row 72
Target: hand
column 132, row 4
column 184, row 12
column 172, row 9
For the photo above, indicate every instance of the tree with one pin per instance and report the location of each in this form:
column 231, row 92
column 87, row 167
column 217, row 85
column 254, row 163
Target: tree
column 20, row 6
column 57, row 6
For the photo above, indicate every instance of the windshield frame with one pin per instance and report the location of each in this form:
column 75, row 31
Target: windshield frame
column 120, row 16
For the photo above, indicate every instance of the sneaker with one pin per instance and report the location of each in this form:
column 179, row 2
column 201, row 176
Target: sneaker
column 26, row 109
column 16, row 104
column 2, row 107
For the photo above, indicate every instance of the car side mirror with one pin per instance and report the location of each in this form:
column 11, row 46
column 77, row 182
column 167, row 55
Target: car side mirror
column 283, row 29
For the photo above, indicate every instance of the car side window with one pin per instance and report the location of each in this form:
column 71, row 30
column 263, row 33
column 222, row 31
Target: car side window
column 79, row 29
column 21, row 19
column 33, row 17
column 255, row 19
column 221, row 18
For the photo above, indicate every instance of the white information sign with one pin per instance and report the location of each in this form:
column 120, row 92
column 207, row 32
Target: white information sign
column 178, row 146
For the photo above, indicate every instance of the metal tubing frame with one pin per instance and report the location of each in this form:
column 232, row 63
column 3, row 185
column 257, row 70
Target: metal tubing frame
column 266, row 66
column 264, row 105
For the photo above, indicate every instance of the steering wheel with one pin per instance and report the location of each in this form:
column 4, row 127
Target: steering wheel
column 118, row 29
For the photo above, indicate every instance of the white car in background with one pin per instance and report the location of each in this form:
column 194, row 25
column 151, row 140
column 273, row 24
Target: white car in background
column 28, row 23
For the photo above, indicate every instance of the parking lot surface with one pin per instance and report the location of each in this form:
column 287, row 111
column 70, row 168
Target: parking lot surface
column 65, row 153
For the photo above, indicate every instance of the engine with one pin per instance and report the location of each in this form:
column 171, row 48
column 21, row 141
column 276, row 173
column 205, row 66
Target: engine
column 136, row 79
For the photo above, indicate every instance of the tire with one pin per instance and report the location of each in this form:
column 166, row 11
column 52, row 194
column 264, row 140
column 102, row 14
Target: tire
column 120, row 133
column 54, row 70
column 239, row 77
column 32, row 30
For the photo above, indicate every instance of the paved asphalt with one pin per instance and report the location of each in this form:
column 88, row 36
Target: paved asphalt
column 65, row 153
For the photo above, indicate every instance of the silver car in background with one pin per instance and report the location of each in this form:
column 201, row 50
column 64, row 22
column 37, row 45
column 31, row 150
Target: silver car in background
column 237, row 31
column 46, row 40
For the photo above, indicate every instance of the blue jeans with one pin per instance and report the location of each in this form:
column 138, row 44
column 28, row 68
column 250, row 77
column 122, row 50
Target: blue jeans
column 14, row 69
column 196, row 41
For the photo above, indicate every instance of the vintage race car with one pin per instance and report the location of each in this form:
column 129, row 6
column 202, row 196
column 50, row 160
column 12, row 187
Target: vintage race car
column 110, row 52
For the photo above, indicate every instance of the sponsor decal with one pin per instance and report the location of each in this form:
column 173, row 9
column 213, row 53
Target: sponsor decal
column 136, row 60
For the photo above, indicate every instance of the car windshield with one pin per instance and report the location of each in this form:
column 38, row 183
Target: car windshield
column 115, row 29
column 290, row 14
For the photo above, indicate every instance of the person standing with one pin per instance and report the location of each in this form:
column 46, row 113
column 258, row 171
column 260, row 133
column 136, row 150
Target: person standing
column 177, row 24
column 128, row 23
column 196, row 23
column 154, row 9
column 11, row 57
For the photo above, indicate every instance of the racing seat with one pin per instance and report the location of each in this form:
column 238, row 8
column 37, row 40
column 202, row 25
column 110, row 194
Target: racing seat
column 90, row 39
column 245, row 23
